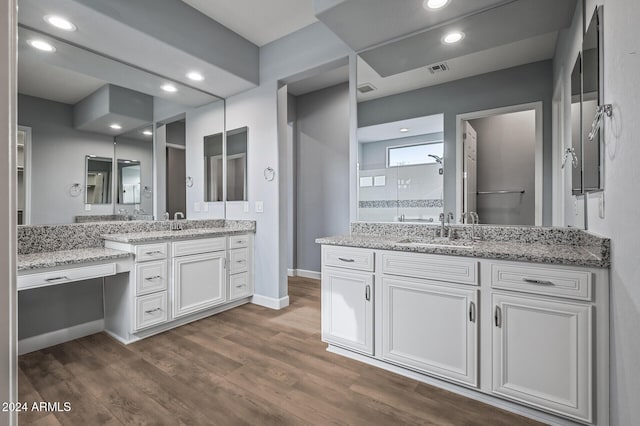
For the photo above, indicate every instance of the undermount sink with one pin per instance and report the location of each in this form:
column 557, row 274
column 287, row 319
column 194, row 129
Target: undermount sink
column 442, row 243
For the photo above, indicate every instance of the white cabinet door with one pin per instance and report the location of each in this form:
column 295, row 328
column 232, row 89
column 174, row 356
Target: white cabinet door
column 347, row 309
column 431, row 328
column 199, row 282
column 542, row 353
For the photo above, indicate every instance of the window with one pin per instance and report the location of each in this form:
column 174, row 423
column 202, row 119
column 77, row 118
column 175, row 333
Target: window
column 409, row 155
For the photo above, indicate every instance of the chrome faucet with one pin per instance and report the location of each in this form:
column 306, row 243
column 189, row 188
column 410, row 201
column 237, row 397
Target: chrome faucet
column 178, row 216
column 474, row 221
column 449, row 230
column 442, row 228
column 176, row 225
column 445, row 230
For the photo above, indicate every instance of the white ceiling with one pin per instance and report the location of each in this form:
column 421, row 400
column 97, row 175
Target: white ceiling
column 506, row 56
column 259, row 21
column 416, row 126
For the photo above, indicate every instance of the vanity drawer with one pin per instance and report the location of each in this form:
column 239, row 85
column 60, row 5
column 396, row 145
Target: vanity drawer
column 151, row 277
column 62, row 276
column 204, row 245
column 239, row 286
column 150, row 310
column 432, row 267
column 238, row 260
column 238, row 241
column 347, row 257
column 545, row 280
column 151, row 252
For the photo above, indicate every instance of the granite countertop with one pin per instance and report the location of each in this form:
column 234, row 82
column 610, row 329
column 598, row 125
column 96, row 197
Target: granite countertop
column 141, row 237
column 562, row 254
column 52, row 259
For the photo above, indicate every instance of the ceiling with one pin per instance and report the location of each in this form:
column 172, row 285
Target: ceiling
column 320, row 81
column 259, row 21
column 414, row 126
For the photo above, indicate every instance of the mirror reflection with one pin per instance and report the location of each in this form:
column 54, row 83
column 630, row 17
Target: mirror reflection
column 128, row 182
column 575, row 157
column 213, row 160
column 237, row 164
column 98, row 180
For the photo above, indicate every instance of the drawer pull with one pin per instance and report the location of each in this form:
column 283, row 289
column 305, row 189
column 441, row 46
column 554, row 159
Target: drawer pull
column 240, row 261
column 151, row 311
column 240, row 242
column 472, row 312
column 151, row 253
column 50, row 280
column 240, row 286
column 367, row 293
column 538, row 282
column 345, row 259
column 156, row 277
column 497, row 316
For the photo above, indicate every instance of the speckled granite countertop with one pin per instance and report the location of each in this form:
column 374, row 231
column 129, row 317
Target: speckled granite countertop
column 52, row 259
column 142, row 237
column 563, row 254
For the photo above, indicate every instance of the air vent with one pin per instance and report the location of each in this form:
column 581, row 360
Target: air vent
column 366, row 88
column 441, row 67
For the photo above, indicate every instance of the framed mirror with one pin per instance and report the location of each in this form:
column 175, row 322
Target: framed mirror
column 98, row 182
column 591, row 99
column 129, row 179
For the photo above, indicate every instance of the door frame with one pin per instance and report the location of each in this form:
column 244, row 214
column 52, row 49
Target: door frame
column 558, row 144
column 461, row 118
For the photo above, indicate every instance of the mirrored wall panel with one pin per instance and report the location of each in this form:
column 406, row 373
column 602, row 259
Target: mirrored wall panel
column 231, row 150
column 213, row 165
column 237, row 164
column 98, row 180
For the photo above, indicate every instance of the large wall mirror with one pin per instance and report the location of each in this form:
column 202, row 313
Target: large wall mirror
column 488, row 99
column 89, row 123
column 225, row 166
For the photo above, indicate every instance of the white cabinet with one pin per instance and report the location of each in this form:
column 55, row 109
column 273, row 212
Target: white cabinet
column 430, row 327
column 199, row 282
column 347, row 309
column 542, row 353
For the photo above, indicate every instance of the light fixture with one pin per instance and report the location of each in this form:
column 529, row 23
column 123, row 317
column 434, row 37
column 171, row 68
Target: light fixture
column 453, row 37
column 147, row 133
column 169, row 88
column 115, row 126
column 60, row 22
column 195, row 76
column 435, row 4
column 404, row 130
column 41, row 45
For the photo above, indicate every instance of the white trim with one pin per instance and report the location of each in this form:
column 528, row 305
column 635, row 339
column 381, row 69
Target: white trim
column 41, row 341
column 557, row 151
column 26, row 214
column 270, row 302
column 457, row 389
column 314, row 275
column 461, row 118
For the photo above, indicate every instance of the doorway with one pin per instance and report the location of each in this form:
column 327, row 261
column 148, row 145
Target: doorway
column 499, row 155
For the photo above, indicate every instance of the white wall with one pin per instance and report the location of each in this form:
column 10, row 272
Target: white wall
column 308, row 48
column 621, row 201
column 8, row 78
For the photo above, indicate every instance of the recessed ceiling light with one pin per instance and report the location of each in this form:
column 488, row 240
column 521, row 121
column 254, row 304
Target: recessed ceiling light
column 453, row 37
column 404, row 130
column 115, row 126
column 169, row 88
column 60, row 22
column 41, row 45
column 435, row 4
column 147, row 133
column 195, row 76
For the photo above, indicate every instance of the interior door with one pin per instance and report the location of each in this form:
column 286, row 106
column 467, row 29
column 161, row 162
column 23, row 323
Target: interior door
column 470, row 172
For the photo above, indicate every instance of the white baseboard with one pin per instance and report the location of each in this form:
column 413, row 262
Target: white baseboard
column 270, row 302
column 304, row 273
column 35, row 343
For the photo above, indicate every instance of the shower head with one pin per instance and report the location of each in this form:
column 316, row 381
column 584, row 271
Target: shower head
column 437, row 158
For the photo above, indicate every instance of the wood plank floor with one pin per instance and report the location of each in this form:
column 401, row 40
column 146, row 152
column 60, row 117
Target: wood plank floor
column 250, row 365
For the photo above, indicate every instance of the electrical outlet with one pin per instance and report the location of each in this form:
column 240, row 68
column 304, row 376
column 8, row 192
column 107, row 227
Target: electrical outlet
column 196, row 207
column 87, row 207
column 601, row 205
column 205, row 207
column 245, row 207
column 259, row 207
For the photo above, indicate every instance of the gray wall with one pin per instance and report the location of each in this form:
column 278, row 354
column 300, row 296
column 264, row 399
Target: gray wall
column 374, row 154
column 323, row 170
column 513, row 86
column 58, row 160
column 506, row 161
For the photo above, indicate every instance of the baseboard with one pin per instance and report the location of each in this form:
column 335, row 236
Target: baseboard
column 304, row 273
column 35, row 343
column 270, row 302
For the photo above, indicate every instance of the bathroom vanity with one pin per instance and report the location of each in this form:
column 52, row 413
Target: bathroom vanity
column 520, row 321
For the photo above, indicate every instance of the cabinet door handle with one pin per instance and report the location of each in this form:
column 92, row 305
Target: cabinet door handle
column 538, row 282
column 497, row 316
column 151, row 311
column 472, row 312
column 240, row 286
column 348, row 260
column 155, row 277
column 151, row 253
column 367, row 293
column 240, row 261
column 50, row 280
